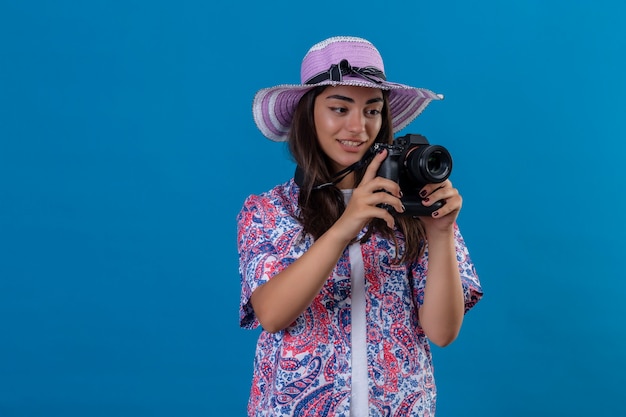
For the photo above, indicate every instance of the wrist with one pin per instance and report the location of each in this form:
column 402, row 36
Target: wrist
column 337, row 236
column 440, row 233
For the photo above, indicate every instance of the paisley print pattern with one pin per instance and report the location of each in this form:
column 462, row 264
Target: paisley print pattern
column 304, row 370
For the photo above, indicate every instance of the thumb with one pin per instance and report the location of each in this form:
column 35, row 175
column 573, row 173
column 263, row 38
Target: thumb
column 372, row 168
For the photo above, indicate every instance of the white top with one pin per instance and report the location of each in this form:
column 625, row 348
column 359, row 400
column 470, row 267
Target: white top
column 359, row 398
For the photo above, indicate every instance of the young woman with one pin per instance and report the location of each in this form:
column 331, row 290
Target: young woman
column 347, row 294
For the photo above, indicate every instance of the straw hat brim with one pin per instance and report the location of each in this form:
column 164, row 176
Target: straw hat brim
column 273, row 107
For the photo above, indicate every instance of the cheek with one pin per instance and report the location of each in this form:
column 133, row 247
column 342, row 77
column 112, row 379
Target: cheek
column 325, row 122
column 374, row 127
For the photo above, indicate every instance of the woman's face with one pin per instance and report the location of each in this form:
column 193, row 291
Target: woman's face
column 347, row 121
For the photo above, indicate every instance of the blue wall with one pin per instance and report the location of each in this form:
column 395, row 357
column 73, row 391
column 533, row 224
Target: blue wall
column 127, row 147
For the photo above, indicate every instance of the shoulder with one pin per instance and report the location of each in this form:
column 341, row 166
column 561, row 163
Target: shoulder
column 271, row 216
column 282, row 200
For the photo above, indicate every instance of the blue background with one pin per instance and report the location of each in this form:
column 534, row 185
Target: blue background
column 127, row 147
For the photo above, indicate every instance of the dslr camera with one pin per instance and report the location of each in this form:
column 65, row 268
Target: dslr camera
column 412, row 162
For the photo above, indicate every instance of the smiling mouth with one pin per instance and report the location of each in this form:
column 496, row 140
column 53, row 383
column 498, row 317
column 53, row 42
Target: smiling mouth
column 351, row 143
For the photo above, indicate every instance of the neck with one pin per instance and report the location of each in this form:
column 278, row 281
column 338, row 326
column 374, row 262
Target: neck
column 347, row 182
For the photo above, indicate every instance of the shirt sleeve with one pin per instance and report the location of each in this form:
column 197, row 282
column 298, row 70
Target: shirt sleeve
column 259, row 259
column 472, row 290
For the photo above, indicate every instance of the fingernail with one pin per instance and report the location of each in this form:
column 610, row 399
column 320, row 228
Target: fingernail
column 401, row 194
column 403, row 208
column 423, row 193
column 426, row 200
column 435, row 214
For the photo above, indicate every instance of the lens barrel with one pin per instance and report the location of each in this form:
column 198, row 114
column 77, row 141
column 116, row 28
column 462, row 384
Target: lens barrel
column 428, row 164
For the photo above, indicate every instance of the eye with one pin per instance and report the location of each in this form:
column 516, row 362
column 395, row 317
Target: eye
column 338, row 109
column 372, row 112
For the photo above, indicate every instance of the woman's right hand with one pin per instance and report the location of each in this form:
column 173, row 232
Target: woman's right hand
column 367, row 201
column 278, row 302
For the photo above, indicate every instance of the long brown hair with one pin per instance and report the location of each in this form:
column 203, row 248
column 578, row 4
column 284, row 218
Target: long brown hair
column 320, row 208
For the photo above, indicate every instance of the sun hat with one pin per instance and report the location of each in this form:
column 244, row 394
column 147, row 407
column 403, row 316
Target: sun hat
column 340, row 60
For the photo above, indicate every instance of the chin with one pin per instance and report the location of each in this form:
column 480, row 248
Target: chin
column 346, row 162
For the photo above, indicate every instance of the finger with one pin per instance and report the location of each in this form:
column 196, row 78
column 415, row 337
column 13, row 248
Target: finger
column 386, row 200
column 428, row 189
column 365, row 212
column 383, row 184
column 434, row 192
column 385, row 215
column 372, row 168
column 442, row 194
column 452, row 207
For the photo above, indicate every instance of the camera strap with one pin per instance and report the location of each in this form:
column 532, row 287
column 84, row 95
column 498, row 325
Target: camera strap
column 299, row 174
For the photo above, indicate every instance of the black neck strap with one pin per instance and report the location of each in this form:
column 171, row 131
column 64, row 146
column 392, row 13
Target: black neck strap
column 299, row 174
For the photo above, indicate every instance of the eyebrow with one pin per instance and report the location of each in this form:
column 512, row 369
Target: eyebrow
column 350, row 100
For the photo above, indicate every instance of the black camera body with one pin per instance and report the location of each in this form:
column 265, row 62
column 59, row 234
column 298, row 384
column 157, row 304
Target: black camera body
column 412, row 162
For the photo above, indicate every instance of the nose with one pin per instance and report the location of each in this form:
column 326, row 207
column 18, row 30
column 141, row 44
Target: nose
column 355, row 123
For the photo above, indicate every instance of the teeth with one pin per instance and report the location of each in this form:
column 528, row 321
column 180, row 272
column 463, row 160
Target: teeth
column 349, row 143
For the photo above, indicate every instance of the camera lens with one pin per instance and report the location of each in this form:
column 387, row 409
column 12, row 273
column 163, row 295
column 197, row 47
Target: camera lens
column 435, row 165
column 429, row 164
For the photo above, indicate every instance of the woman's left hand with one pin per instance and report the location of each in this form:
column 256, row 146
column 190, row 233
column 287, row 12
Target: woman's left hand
column 444, row 218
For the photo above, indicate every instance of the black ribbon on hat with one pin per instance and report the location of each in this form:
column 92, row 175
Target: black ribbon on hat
column 337, row 71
